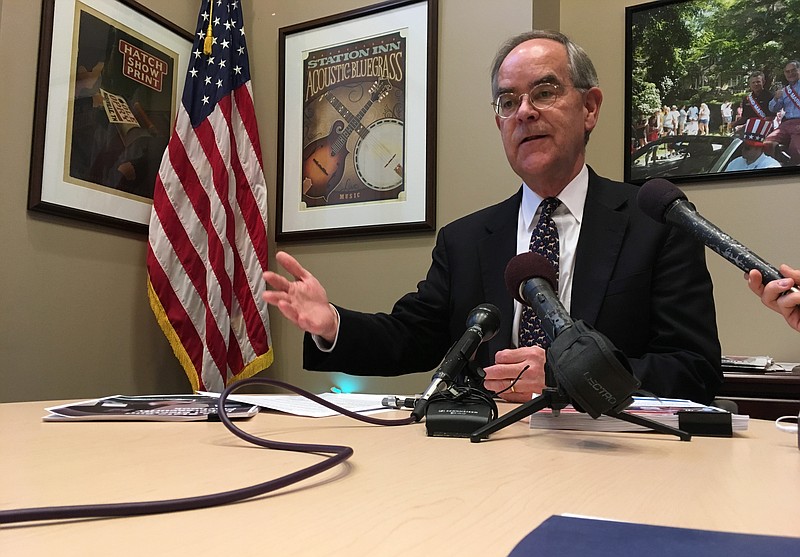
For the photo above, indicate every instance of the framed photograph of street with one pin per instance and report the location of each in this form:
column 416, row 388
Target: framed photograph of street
column 357, row 123
column 110, row 76
column 706, row 93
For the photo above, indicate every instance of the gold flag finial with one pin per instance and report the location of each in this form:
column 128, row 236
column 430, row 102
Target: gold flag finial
column 209, row 39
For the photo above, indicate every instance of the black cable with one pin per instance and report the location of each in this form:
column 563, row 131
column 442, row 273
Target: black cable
column 339, row 454
column 514, row 382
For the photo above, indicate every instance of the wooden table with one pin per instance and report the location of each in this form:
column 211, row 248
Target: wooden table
column 401, row 492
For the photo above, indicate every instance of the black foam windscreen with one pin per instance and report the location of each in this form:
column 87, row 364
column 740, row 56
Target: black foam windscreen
column 526, row 266
column 655, row 196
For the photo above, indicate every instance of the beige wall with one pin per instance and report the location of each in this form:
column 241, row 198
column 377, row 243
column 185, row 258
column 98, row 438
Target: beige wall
column 75, row 320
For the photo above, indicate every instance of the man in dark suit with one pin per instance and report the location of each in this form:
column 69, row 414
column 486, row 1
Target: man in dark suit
column 642, row 284
column 756, row 103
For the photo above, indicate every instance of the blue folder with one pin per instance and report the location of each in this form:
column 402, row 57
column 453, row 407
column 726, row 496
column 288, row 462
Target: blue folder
column 561, row 536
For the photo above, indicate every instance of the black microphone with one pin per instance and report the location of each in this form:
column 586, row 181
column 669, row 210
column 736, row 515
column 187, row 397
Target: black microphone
column 662, row 201
column 482, row 324
column 531, row 280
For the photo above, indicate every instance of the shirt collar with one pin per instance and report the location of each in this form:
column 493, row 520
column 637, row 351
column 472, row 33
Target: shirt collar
column 572, row 197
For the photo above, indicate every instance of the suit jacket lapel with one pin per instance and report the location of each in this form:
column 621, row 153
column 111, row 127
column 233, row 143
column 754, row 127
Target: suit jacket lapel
column 605, row 220
column 494, row 252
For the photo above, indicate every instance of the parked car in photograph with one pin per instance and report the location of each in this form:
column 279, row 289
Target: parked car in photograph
column 684, row 155
column 688, row 155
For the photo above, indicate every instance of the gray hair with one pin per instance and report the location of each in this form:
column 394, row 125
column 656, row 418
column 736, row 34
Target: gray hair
column 581, row 68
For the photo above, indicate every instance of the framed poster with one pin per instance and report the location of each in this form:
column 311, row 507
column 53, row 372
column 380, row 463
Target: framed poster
column 700, row 75
column 357, row 122
column 110, row 77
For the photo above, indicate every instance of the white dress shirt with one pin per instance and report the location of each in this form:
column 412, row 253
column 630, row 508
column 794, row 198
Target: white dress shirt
column 763, row 161
column 567, row 218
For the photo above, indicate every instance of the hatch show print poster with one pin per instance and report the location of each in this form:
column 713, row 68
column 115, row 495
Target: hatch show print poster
column 353, row 113
column 122, row 107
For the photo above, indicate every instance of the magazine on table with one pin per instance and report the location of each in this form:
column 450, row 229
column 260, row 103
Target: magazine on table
column 663, row 410
column 752, row 364
column 161, row 408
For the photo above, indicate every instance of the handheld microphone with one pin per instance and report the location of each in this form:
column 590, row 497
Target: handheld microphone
column 531, row 280
column 662, row 201
column 482, row 324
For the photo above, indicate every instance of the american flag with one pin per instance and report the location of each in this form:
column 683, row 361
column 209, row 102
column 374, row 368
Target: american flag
column 208, row 229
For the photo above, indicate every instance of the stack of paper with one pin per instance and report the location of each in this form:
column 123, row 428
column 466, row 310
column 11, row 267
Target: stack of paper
column 751, row 364
column 663, row 410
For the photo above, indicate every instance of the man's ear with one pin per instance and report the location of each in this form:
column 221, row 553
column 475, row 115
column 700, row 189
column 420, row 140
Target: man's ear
column 593, row 98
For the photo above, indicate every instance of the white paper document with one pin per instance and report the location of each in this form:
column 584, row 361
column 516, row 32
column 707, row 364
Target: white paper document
column 301, row 406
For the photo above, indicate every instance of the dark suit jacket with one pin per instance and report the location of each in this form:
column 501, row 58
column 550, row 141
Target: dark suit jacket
column 762, row 99
column 642, row 284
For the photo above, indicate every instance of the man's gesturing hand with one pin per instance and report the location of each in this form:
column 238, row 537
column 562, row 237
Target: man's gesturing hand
column 302, row 301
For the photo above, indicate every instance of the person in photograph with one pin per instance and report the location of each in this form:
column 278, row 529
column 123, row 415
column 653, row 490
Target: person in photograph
column 682, row 120
column 753, row 156
column 787, row 99
column 726, row 112
column 756, row 103
column 703, row 117
column 675, row 116
column 691, row 120
column 653, row 126
column 669, row 121
column 639, row 133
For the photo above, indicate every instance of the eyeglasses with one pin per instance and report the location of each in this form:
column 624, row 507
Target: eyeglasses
column 541, row 97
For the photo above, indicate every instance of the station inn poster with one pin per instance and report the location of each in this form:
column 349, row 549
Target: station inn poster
column 354, row 91
column 357, row 121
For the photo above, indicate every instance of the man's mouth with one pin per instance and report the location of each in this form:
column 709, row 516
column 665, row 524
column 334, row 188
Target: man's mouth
column 530, row 138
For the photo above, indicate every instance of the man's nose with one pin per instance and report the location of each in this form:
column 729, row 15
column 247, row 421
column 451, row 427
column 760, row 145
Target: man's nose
column 526, row 109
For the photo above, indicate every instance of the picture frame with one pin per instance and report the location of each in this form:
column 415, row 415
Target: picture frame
column 698, row 59
column 357, row 123
column 109, row 80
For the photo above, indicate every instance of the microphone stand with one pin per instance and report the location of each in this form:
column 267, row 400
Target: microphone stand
column 556, row 399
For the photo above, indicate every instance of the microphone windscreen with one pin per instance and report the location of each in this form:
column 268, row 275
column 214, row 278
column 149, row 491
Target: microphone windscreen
column 655, row 196
column 526, row 266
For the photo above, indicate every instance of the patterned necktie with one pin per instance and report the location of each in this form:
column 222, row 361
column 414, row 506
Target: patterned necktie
column 544, row 241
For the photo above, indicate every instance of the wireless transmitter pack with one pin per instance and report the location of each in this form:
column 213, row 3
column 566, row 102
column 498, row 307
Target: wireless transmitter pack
column 458, row 415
